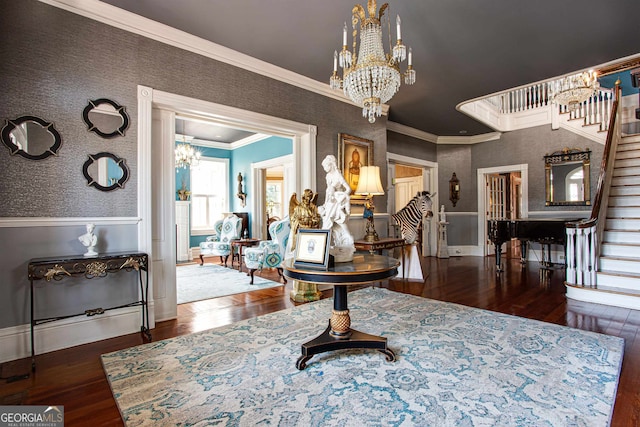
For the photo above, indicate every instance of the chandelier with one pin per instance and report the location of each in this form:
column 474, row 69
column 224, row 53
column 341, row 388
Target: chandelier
column 186, row 155
column 372, row 77
column 575, row 89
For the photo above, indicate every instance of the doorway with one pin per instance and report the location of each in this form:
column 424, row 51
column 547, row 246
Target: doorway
column 156, row 176
column 502, row 194
column 406, row 176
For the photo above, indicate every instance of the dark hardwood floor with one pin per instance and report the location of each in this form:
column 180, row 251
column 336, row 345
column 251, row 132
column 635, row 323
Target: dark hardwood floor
column 74, row 377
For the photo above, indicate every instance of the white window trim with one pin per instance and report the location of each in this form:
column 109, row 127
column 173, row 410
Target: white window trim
column 209, row 231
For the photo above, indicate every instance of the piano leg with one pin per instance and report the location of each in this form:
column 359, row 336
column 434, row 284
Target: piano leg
column 523, row 252
column 498, row 257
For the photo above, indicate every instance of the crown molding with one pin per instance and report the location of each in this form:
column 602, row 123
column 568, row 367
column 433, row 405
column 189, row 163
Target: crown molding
column 472, row 139
column 412, row 132
column 145, row 27
column 429, row 137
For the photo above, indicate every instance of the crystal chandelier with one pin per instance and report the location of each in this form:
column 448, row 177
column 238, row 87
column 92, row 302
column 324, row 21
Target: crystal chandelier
column 186, row 155
column 575, row 89
column 372, row 77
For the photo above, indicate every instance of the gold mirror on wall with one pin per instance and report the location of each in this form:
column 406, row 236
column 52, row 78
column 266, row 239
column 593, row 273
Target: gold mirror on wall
column 105, row 171
column 31, row 137
column 567, row 177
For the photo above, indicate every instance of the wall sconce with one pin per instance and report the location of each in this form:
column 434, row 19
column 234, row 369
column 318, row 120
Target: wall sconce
column 241, row 194
column 454, row 189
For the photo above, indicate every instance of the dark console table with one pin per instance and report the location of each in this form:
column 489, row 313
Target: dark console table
column 57, row 268
column 339, row 335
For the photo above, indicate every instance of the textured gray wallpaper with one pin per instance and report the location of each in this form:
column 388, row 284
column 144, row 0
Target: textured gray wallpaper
column 54, row 62
column 409, row 146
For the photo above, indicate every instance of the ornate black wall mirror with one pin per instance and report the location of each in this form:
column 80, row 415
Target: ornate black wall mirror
column 567, row 177
column 105, row 171
column 31, row 137
column 106, row 118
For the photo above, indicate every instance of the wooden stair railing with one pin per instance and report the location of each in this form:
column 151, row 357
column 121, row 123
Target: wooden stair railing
column 584, row 237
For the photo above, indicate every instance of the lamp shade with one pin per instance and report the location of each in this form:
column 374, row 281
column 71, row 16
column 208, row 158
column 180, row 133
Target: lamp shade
column 369, row 182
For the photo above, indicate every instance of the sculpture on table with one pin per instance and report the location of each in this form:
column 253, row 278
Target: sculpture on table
column 89, row 240
column 336, row 211
column 303, row 214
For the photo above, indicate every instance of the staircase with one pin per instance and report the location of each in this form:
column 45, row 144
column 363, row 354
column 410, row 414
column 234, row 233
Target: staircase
column 620, row 251
column 618, row 273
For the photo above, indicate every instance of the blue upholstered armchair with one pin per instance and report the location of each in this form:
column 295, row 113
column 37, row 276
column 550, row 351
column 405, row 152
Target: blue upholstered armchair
column 219, row 244
column 269, row 253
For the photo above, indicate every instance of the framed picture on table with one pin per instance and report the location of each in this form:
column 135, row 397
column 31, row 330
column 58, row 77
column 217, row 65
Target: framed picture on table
column 312, row 248
column 353, row 153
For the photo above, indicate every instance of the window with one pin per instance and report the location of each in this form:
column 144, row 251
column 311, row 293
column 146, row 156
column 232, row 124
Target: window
column 209, row 194
column 274, row 198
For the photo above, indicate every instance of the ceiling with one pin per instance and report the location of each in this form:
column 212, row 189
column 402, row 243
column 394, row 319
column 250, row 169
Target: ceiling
column 462, row 49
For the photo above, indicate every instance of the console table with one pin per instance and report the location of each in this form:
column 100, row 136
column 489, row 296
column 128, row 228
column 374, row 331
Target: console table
column 58, row 268
column 380, row 245
column 339, row 335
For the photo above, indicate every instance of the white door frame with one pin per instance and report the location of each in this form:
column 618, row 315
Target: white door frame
column 258, row 179
column 430, row 184
column 304, row 171
column 482, row 197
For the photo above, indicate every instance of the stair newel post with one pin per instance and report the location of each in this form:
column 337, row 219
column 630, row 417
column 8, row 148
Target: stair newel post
column 593, row 256
column 570, row 257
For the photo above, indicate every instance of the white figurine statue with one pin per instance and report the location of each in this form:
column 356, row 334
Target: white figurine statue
column 336, row 210
column 442, row 215
column 89, row 240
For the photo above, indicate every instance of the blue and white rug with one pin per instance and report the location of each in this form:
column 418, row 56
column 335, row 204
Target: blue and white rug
column 199, row 282
column 456, row 366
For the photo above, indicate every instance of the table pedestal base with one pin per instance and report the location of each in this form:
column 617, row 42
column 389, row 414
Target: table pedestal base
column 327, row 341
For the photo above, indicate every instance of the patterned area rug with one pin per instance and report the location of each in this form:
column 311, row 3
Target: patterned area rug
column 456, row 366
column 196, row 282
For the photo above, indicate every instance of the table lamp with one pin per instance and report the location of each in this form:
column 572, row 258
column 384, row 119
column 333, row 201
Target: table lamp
column 369, row 185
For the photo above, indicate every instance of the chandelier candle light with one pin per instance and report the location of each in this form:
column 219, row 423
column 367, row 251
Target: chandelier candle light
column 372, row 77
column 575, row 89
column 186, row 155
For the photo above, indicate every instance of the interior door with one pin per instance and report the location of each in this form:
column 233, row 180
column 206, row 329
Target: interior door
column 163, row 237
column 496, row 202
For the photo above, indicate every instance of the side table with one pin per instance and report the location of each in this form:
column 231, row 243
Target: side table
column 339, row 335
column 240, row 244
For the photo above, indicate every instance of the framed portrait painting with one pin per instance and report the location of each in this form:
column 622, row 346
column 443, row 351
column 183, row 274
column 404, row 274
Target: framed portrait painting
column 353, row 153
column 312, row 248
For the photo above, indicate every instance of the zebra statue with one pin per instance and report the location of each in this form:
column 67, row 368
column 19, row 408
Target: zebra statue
column 409, row 217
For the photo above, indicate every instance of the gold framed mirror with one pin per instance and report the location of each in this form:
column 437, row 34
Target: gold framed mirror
column 567, row 177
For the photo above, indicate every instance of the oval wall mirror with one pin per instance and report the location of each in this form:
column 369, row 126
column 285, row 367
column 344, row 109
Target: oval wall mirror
column 31, row 137
column 105, row 171
column 106, row 118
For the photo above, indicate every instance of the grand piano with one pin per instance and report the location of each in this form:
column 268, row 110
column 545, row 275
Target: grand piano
column 546, row 231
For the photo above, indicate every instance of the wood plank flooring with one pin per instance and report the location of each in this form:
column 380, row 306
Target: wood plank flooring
column 74, row 377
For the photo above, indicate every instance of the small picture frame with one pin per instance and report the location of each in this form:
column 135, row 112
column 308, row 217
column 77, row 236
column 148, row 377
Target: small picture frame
column 312, row 248
column 353, row 153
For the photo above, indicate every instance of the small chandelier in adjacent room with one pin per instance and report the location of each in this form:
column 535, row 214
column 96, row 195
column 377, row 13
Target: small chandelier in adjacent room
column 372, row 77
column 186, row 155
column 575, row 89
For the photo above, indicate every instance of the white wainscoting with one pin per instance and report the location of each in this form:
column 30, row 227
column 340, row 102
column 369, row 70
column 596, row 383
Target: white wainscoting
column 70, row 332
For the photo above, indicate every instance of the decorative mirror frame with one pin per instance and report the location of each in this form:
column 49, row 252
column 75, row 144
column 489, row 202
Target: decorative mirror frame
column 119, row 109
column 10, row 125
column 93, row 183
column 568, row 155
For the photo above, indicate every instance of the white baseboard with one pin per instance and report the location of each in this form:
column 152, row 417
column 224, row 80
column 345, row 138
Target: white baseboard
column 15, row 341
column 465, row 251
